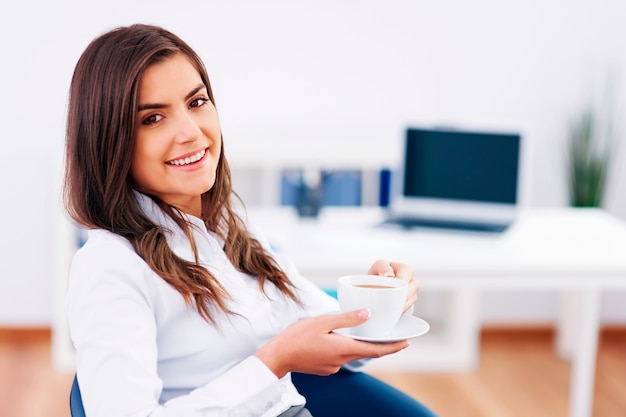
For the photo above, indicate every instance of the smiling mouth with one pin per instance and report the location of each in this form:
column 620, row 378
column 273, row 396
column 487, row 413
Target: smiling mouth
column 188, row 160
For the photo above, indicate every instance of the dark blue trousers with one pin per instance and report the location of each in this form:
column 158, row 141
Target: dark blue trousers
column 355, row 394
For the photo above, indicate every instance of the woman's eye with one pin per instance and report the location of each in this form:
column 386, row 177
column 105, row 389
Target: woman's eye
column 198, row 102
column 152, row 119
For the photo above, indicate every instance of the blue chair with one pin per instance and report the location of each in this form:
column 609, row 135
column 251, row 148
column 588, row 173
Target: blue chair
column 326, row 397
column 76, row 401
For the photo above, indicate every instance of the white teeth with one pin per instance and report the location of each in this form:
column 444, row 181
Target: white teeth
column 188, row 160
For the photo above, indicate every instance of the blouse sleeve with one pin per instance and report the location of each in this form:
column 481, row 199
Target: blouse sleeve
column 113, row 327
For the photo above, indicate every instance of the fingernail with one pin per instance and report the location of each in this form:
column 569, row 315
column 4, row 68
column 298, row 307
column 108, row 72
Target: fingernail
column 390, row 275
column 364, row 314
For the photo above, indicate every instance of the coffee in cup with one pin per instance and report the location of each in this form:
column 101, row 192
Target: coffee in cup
column 383, row 296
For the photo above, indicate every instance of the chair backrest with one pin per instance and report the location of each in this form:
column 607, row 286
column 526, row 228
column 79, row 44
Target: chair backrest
column 76, row 401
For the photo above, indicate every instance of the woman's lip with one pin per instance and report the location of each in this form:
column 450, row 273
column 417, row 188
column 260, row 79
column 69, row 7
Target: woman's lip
column 189, row 155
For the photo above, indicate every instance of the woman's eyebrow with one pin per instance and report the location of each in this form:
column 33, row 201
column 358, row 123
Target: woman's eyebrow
column 151, row 106
column 194, row 91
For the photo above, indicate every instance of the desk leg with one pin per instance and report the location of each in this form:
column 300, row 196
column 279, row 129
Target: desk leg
column 568, row 326
column 583, row 368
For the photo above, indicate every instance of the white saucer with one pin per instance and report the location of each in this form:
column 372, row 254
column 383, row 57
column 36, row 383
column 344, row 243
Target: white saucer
column 408, row 327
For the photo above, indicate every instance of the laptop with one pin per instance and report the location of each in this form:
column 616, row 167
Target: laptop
column 457, row 179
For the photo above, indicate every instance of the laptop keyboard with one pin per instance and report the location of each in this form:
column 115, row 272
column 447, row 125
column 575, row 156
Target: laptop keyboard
column 414, row 222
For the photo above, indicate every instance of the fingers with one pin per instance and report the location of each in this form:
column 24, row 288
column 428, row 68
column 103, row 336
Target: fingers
column 395, row 270
column 391, row 269
column 349, row 319
column 355, row 350
column 383, row 268
column 381, row 349
column 310, row 346
column 411, row 299
column 361, row 349
column 400, row 271
column 365, row 349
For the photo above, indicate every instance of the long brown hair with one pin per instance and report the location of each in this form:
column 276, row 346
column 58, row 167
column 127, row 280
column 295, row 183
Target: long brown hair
column 98, row 188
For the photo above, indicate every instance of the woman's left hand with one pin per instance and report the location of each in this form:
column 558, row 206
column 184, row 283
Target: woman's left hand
column 400, row 271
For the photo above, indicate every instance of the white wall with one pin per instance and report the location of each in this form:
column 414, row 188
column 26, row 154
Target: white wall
column 330, row 79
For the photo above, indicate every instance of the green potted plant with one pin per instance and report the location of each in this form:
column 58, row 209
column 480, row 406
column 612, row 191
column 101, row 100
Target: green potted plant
column 588, row 162
column 590, row 150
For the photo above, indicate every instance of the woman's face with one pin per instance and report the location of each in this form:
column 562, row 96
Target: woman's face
column 178, row 136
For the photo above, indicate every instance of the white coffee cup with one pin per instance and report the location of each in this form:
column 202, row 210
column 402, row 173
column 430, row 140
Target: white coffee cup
column 383, row 296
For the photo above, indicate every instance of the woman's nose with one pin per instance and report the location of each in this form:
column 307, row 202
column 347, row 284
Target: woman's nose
column 187, row 129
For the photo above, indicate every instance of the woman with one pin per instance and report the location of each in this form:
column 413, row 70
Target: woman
column 176, row 307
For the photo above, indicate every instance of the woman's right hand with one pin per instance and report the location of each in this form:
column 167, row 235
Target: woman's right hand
column 310, row 346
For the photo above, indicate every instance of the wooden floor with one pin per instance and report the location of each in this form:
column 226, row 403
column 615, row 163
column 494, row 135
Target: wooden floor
column 519, row 375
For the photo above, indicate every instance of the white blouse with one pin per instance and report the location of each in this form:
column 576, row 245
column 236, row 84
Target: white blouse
column 142, row 351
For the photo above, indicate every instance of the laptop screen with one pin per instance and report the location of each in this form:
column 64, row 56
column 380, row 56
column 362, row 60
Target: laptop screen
column 461, row 165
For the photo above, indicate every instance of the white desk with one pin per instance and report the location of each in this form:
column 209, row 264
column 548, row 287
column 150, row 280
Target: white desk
column 581, row 252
